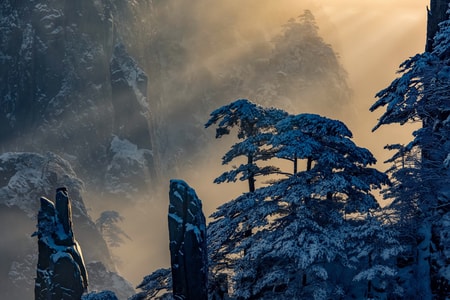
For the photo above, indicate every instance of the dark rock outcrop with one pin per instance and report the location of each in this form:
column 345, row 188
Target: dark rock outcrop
column 437, row 12
column 187, row 233
column 68, row 85
column 61, row 272
column 187, row 279
column 24, row 178
column 129, row 98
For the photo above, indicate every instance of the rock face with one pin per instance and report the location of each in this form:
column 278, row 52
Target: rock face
column 61, row 272
column 187, row 233
column 24, row 178
column 100, row 279
column 68, row 85
column 437, row 12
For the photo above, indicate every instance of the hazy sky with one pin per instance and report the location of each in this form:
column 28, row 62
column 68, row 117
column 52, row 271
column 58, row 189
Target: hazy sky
column 372, row 38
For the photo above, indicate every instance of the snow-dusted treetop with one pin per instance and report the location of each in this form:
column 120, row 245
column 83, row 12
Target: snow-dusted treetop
column 297, row 224
column 247, row 116
column 323, row 140
column 421, row 92
column 404, row 98
column 254, row 124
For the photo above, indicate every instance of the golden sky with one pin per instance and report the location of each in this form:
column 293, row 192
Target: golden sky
column 372, row 38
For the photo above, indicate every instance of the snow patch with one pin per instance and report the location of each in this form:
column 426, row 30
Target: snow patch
column 127, row 157
column 447, row 161
column 196, row 230
column 60, row 255
column 176, row 218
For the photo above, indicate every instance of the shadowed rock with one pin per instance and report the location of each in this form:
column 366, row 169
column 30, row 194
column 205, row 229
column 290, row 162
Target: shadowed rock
column 187, row 233
column 61, row 273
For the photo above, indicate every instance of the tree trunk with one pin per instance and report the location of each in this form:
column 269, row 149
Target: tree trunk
column 436, row 14
column 251, row 176
column 423, row 261
column 309, row 164
column 429, row 275
column 295, row 165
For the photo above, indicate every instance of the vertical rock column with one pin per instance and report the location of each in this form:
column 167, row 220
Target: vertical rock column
column 187, row 233
column 437, row 12
column 433, row 247
column 61, row 273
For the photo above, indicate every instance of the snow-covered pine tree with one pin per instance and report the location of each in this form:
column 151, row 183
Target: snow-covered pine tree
column 372, row 246
column 157, row 285
column 300, row 223
column 255, row 124
column 326, row 143
column 405, row 214
column 421, row 94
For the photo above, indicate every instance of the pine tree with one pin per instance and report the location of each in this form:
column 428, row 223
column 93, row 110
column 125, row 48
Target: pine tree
column 157, row 285
column 302, row 64
column 254, row 124
column 107, row 225
column 299, row 224
column 421, row 94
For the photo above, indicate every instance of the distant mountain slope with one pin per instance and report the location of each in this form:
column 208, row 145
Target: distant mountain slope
column 68, row 85
column 24, row 178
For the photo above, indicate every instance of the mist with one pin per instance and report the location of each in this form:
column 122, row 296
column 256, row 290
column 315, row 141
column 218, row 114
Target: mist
column 371, row 38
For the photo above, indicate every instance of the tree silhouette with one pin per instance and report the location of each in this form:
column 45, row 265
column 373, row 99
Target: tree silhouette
column 107, row 223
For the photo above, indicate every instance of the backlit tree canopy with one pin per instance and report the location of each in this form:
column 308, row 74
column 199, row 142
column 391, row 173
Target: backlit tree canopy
column 287, row 238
